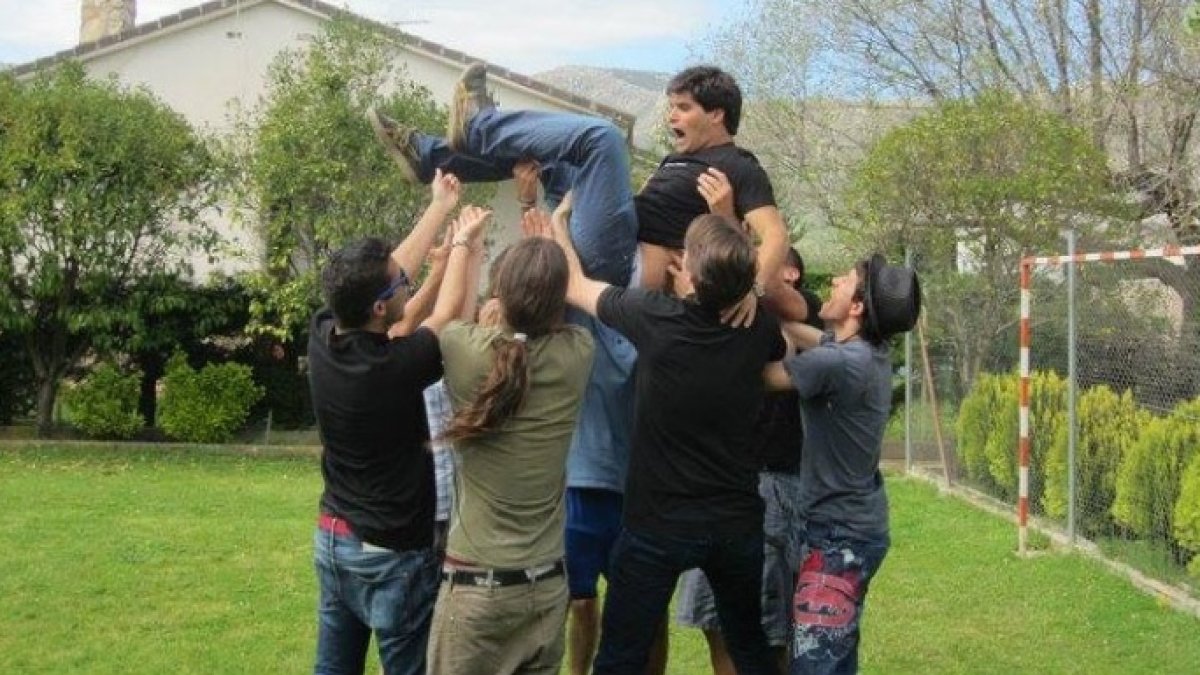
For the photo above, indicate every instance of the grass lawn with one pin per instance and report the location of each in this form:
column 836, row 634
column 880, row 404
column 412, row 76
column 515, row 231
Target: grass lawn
column 169, row 561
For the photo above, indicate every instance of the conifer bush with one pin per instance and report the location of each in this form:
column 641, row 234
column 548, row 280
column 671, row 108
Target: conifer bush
column 1150, row 475
column 1109, row 424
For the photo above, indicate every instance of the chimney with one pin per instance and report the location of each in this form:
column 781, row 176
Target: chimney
column 101, row 18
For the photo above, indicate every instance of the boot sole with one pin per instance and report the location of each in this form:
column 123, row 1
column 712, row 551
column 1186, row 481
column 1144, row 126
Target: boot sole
column 389, row 146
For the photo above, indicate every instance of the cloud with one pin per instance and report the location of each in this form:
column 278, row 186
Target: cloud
column 526, row 35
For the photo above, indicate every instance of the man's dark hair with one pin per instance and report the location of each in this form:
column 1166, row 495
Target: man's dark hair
column 712, row 88
column 720, row 260
column 353, row 279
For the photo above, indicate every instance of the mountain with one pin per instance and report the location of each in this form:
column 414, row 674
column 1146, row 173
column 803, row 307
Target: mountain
column 638, row 92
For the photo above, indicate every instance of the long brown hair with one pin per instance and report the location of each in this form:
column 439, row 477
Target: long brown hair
column 532, row 287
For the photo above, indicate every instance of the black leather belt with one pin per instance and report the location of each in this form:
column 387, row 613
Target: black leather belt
column 497, row 578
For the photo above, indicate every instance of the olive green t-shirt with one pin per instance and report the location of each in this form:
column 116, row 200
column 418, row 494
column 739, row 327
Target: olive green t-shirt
column 509, row 512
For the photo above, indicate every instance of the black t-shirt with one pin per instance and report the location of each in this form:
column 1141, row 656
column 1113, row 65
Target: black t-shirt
column 367, row 395
column 670, row 201
column 779, row 433
column 698, row 388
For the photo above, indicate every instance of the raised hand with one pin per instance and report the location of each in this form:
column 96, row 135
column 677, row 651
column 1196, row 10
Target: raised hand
column 470, row 224
column 536, row 223
column 742, row 314
column 525, row 173
column 446, row 189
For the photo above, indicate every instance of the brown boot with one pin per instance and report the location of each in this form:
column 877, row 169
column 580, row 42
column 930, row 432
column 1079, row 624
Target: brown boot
column 470, row 97
column 397, row 141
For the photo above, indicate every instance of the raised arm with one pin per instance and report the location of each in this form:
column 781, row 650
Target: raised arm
column 420, row 305
column 800, row 336
column 468, row 235
column 582, row 292
column 409, row 254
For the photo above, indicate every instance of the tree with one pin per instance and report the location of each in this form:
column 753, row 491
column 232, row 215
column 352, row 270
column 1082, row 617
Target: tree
column 172, row 314
column 970, row 187
column 100, row 187
column 314, row 176
column 1124, row 70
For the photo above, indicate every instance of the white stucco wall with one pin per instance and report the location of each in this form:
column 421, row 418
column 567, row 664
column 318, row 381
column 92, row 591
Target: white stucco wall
column 205, row 67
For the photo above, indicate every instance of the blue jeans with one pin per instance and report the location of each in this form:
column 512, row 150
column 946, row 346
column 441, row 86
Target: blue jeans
column 643, row 572
column 589, row 151
column 365, row 589
column 831, row 595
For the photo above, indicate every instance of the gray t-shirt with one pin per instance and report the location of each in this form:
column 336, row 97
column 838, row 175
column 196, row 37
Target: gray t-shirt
column 845, row 399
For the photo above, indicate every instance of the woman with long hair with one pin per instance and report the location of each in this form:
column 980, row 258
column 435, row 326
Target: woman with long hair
column 516, row 387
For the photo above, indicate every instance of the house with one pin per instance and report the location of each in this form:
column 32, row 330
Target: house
column 205, row 60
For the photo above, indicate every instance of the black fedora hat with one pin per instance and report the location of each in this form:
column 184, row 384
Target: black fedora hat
column 893, row 299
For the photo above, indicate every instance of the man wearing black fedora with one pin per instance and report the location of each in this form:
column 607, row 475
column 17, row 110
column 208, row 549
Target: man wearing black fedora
column 843, row 377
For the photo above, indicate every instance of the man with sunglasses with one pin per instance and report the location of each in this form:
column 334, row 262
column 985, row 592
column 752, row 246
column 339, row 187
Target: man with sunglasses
column 376, row 565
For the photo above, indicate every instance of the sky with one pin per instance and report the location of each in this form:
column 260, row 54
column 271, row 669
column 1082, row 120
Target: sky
column 528, row 36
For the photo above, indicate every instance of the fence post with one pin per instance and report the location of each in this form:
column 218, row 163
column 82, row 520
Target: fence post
column 1023, row 415
column 1072, row 431
column 908, row 386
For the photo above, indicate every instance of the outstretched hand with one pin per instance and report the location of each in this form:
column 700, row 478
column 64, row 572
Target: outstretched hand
column 446, row 189
column 470, row 224
column 681, row 283
column 525, row 173
column 536, row 223
column 742, row 314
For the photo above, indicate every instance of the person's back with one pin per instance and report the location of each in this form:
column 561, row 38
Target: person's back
column 691, row 498
column 368, row 401
column 516, row 387
column 699, row 388
column 512, row 513
column 373, row 547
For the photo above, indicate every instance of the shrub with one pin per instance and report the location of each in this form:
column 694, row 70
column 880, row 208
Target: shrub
column 1148, row 480
column 1000, row 450
column 105, row 404
column 977, row 419
column 988, row 430
column 1187, row 512
column 205, row 406
column 1108, row 426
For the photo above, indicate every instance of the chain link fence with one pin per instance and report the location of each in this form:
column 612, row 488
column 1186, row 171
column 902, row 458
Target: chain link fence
column 1112, row 396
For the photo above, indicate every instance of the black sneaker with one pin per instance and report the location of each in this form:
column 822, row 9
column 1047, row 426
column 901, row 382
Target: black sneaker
column 397, row 141
column 470, row 97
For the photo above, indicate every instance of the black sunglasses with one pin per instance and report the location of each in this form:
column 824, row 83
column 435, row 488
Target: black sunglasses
column 401, row 280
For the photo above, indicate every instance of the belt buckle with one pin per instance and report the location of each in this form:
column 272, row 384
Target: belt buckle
column 485, row 579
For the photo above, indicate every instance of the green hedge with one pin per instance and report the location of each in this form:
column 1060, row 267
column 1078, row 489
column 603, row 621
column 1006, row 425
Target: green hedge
column 105, row 404
column 1187, row 513
column 1135, row 472
column 1108, row 425
column 206, row 406
column 978, row 418
column 1148, row 482
column 988, row 431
